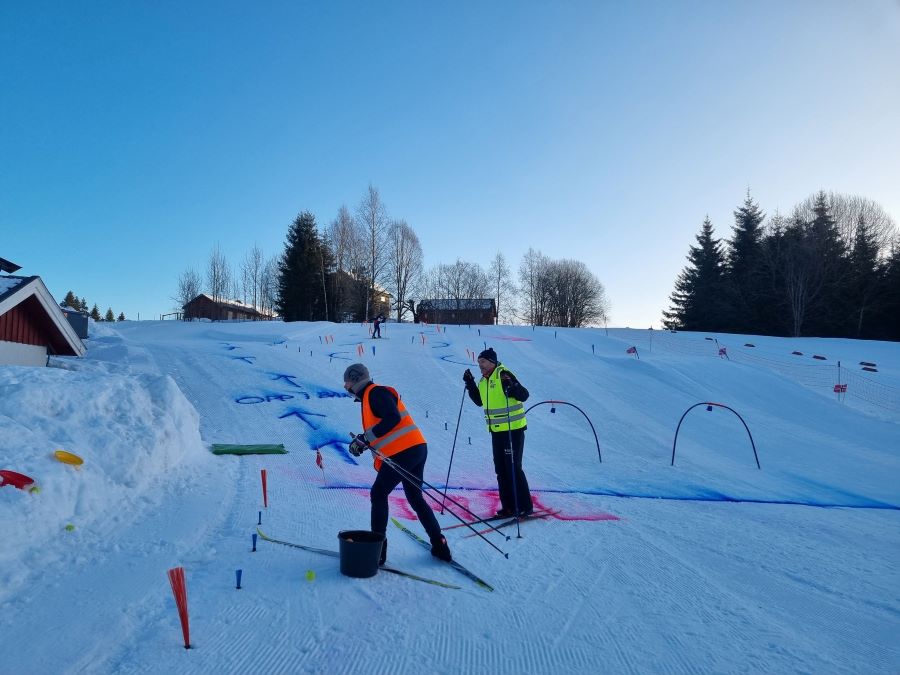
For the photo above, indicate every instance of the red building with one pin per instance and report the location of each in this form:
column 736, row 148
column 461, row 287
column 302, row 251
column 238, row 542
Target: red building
column 205, row 307
column 32, row 325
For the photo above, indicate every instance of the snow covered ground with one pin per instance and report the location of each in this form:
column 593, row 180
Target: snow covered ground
column 707, row 566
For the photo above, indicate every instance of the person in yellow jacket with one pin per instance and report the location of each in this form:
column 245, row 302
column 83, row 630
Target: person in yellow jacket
column 390, row 429
column 502, row 396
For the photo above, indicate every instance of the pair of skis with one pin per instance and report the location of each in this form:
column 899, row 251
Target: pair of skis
column 387, row 568
column 335, row 554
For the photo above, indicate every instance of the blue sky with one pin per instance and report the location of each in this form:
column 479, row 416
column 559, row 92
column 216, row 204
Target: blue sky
column 135, row 136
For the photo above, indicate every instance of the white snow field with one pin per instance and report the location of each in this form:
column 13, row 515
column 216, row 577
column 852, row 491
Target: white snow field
column 708, row 566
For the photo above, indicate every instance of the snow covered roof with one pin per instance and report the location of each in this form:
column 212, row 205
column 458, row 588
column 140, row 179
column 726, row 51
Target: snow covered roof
column 16, row 290
column 7, row 283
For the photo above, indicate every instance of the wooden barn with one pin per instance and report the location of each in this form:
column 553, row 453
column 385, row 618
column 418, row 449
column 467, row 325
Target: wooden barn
column 205, row 307
column 482, row 311
column 32, row 325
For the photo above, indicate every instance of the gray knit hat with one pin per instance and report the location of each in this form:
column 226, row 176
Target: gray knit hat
column 358, row 376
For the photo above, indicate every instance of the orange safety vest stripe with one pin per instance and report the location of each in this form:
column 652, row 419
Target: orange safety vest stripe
column 402, row 437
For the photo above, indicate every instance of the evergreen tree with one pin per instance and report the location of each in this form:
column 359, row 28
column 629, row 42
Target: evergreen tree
column 829, row 308
column 71, row 301
column 697, row 301
column 121, row 316
column 95, row 313
column 109, row 315
column 865, row 279
column 301, row 293
column 887, row 324
column 83, row 306
column 744, row 274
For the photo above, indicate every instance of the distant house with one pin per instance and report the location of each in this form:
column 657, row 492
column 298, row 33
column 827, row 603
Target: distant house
column 77, row 319
column 205, row 307
column 347, row 298
column 32, row 325
column 463, row 311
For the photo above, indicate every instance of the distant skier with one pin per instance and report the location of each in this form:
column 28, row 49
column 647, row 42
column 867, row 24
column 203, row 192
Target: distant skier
column 390, row 429
column 502, row 397
column 376, row 327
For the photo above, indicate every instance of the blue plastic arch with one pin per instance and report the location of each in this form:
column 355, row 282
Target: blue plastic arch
column 596, row 440
column 709, row 405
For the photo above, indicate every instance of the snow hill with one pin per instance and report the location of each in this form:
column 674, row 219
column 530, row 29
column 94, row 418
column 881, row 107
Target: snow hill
column 709, row 566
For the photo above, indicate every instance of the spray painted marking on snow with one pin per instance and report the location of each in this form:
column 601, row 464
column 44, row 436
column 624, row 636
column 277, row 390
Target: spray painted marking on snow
column 511, row 338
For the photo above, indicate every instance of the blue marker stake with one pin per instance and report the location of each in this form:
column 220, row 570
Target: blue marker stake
column 259, row 522
column 445, row 426
column 237, row 573
column 254, row 543
column 373, row 350
column 592, row 349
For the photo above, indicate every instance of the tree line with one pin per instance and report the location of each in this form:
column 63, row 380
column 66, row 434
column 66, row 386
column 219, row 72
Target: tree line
column 80, row 304
column 829, row 269
column 337, row 273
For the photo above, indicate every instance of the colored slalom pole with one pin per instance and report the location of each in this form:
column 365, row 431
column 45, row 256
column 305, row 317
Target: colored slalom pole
column 265, row 494
column 453, row 449
column 179, row 590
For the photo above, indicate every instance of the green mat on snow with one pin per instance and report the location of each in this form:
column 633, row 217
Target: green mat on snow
column 260, row 449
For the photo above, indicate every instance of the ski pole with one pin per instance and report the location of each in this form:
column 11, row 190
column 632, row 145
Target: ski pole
column 413, row 480
column 453, row 449
column 512, row 466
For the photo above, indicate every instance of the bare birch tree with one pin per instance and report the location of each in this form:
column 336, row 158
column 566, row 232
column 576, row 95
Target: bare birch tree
column 503, row 287
column 251, row 273
column 218, row 275
column 371, row 215
column 190, row 285
column 405, row 264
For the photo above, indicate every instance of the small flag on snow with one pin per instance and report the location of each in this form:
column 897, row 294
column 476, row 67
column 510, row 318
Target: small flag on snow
column 631, row 350
column 319, row 462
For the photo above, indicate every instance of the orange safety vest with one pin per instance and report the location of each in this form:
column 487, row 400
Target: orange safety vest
column 402, row 437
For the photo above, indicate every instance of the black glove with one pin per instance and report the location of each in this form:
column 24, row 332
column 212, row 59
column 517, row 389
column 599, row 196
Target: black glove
column 508, row 382
column 358, row 445
column 468, row 378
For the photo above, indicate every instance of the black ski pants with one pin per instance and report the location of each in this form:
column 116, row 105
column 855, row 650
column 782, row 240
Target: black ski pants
column 412, row 461
column 508, row 466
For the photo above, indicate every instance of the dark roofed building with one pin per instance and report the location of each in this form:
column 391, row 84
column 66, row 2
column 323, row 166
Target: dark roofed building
column 464, row 311
column 32, row 325
column 205, row 307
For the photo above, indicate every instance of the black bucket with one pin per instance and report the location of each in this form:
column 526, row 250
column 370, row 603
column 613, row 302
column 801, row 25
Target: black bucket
column 360, row 552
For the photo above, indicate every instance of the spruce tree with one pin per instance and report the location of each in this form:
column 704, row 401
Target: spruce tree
column 301, row 295
column 887, row 323
column 744, row 271
column 95, row 313
column 697, row 301
column 109, row 315
column 83, row 306
column 865, row 279
column 828, row 312
column 121, row 316
column 71, row 301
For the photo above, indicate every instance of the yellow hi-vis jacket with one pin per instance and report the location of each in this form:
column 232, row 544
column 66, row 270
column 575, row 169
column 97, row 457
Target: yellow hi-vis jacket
column 500, row 413
column 402, row 437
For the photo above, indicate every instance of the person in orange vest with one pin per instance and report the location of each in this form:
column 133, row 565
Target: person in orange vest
column 389, row 428
column 502, row 396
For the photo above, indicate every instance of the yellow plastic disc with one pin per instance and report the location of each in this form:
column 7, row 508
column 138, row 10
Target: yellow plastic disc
column 68, row 458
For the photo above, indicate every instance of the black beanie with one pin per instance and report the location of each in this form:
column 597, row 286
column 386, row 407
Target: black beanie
column 489, row 354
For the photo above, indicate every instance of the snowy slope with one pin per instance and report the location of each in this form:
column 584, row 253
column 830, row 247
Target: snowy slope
column 710, row 565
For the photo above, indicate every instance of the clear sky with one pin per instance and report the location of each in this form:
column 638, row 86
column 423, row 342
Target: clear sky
column 134, row 136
